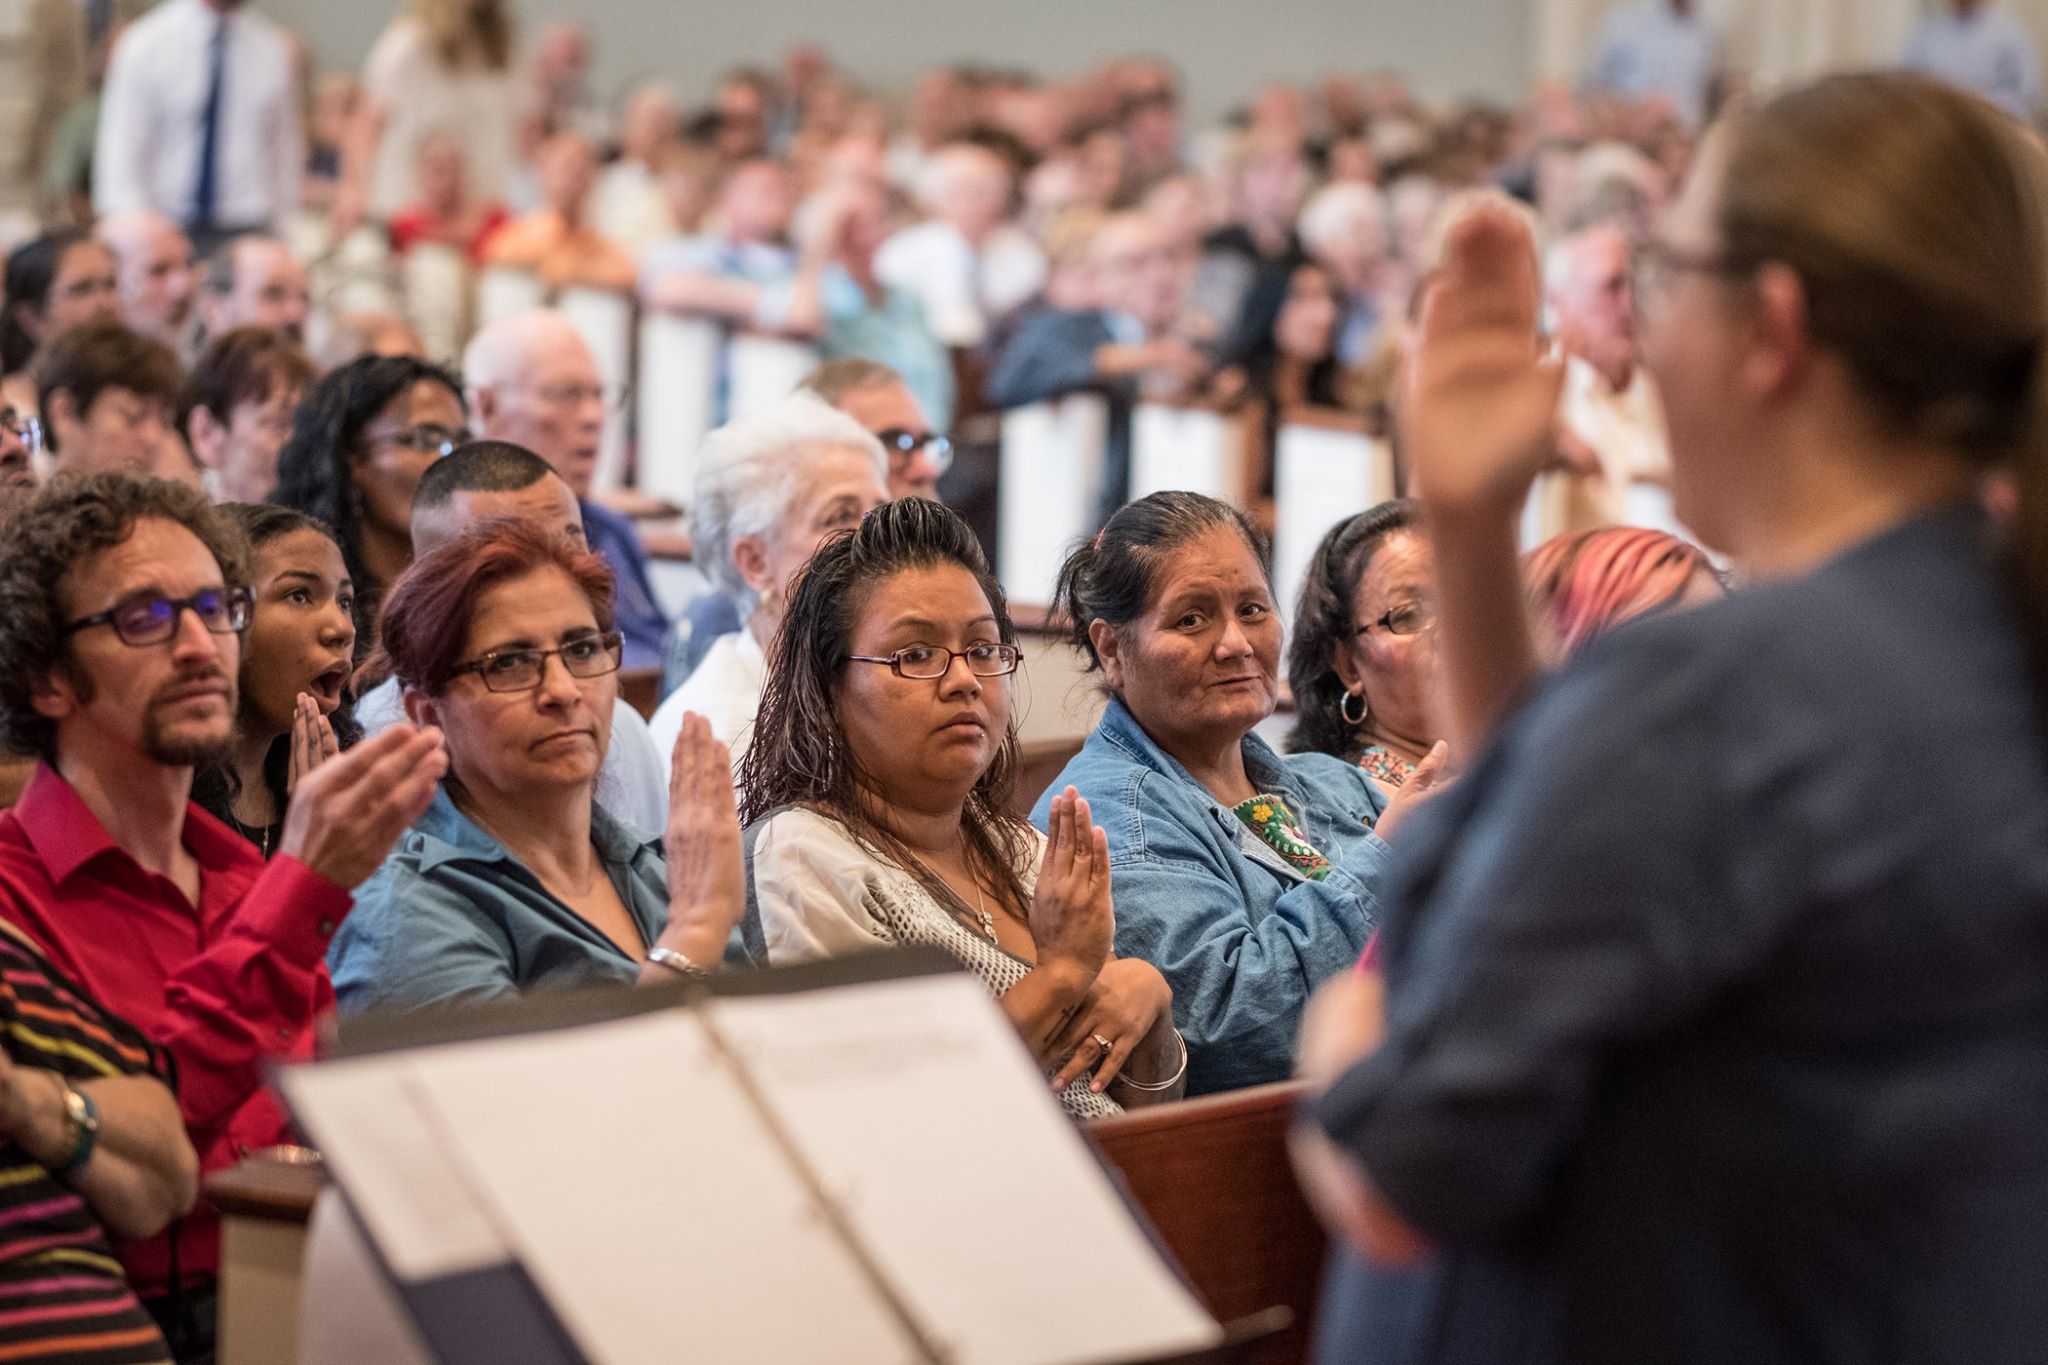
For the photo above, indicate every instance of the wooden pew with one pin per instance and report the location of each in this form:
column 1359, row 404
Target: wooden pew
column 1049, row 471
column 1196, row 447
column 674, row 394
column 503, row 292
column 1326, row 466
column 604, row 319
column 1212, row 1175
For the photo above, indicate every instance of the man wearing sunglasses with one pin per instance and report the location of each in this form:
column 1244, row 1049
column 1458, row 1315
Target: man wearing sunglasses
column 121, row 607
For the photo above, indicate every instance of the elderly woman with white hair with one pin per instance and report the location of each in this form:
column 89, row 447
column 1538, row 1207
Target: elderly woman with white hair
column 769, row 488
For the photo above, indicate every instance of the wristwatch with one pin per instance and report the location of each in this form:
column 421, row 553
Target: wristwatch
column 677, row 963
column 82, row 1121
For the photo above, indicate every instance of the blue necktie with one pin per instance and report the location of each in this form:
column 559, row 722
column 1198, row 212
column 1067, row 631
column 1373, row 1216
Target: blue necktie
column 206, row 192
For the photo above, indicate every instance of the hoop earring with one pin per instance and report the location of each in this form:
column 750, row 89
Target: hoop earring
column 1344, row 709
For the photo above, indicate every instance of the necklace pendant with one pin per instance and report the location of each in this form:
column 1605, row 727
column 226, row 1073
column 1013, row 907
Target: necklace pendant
column 988, row 925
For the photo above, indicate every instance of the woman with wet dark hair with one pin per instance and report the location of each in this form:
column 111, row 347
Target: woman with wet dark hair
column 878, row 788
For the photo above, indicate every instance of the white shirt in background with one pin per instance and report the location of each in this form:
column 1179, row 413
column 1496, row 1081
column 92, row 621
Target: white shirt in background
column 153, row 117
column 628, row 208
column 1625, row 429
column 725, row 690
column 962, row 291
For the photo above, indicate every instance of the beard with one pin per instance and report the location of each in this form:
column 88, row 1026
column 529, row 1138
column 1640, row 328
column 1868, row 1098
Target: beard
column 184, row 746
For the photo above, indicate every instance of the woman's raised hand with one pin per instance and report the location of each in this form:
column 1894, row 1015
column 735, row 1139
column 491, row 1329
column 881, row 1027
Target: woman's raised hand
column 313, row 741
column 1479, row 420
column 1071, row 917
column 706, row 884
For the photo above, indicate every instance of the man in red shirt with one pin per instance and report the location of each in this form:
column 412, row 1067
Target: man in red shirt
column 121, row 603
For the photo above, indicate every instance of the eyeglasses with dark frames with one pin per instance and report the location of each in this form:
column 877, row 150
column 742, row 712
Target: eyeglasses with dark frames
column 428, row 438
column 927, row 663
column 152, row 618
column 1652, row 266
column 902, row 443
column 521, row 670
column 1410, row 618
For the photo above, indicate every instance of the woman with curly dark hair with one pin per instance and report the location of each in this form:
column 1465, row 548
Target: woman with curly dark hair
column 360, row 442
column 1362, row 662
column 878, row 788
column 297, row 653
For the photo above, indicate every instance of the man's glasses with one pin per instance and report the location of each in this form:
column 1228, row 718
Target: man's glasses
column 613, row 397
column 27, row 428
column 925, row 663
column 521, row 670
column 1410, row 618
column 152, row 619
column 428, row 438
column 902, row 444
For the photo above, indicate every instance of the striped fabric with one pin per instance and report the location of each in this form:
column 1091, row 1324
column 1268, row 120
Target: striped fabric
column 63, row 1296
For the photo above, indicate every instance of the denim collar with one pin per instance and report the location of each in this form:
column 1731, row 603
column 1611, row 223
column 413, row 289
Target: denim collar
column 444, row 834
column 1267, row 771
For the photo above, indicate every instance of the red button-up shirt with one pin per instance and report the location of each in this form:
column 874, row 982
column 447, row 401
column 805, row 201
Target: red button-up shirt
column 225, row 987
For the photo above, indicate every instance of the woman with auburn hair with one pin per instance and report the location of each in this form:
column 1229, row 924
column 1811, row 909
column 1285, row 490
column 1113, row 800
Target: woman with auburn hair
column 515, row 878
column 1716, row 992
column 441, row 67
column 1588, row 582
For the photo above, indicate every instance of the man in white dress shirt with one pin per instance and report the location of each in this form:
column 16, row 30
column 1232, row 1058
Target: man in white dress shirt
column 1659, row 49
column 1610, row 406
column 967, row 264
column 1980, row 46
column 199, row 120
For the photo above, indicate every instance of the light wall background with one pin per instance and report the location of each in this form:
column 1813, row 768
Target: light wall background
column 1224, row 48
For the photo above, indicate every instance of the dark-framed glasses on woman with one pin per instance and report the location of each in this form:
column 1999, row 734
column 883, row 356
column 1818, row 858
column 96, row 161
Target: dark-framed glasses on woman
column 521, row 670
column 428, row 438
column 1409, row 618
column 152, row 618
column 924, row 663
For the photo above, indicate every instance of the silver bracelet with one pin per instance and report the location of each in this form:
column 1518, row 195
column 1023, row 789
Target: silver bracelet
column 676, row 962
column 1154, row 1087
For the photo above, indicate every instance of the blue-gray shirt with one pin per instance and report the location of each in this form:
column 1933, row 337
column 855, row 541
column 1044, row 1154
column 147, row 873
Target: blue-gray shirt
column 1718, row 992
column 1240, row 935
column 1989, row 52
column 453, row 916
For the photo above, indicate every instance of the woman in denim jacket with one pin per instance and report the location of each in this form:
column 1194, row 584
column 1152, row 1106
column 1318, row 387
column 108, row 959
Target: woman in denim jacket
column 1246, row 878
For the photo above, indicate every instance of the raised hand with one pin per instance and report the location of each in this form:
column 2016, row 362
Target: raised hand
column 349, row 811
column 313, row 741
column 1479, row 417
column 706, row 884
column 1070, row 916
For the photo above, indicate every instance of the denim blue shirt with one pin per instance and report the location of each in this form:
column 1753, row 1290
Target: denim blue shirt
column 453, row 916
column 1241, row 936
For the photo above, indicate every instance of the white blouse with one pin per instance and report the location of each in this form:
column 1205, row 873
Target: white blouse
column 821, row 895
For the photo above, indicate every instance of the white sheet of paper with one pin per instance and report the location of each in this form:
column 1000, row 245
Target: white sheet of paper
column 386, row 1151
column 914, row 1099
column 647, row 1201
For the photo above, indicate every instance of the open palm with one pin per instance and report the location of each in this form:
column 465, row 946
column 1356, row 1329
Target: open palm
column 1480, row 418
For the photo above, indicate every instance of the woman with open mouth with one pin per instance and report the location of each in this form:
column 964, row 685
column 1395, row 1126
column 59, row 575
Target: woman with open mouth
column 297, row 655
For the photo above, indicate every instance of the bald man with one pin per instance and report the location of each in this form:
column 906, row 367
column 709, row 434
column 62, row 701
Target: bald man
column 533, row 382
column 153, row 271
